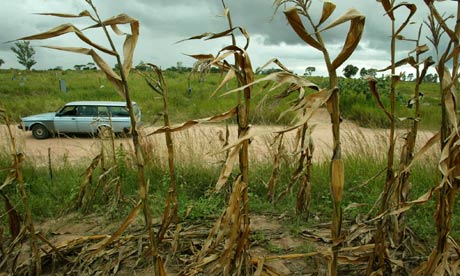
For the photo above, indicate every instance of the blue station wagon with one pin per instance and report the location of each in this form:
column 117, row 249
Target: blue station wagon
column 82, row 117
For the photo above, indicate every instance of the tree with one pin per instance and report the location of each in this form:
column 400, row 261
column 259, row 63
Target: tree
column 431, row 78
column 410, row 76
column 350, row 70
column 372, row 72
column 142, row 66
column 24, row 53
column 309, row 70
column 363, row 72
column 1, row 62
column 90, row 66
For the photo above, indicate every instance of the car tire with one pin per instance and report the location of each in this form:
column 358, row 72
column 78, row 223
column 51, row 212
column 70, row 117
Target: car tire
column 104, row 132
column 40, row 131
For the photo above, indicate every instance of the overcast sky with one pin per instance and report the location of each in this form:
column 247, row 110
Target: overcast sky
column 164, row 22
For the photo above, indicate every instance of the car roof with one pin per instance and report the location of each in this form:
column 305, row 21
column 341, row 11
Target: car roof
column 103, row 103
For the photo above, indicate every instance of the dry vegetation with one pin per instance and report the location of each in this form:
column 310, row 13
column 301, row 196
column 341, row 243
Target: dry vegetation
column 374, row 244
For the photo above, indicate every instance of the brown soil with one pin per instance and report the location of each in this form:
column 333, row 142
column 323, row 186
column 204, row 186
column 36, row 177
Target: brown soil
column 202, row 142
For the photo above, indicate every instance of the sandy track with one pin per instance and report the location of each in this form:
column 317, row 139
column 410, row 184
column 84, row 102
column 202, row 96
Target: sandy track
column 200, row 143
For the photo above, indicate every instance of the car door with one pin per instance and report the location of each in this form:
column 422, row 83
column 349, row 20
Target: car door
column 86, row 121
column 66, row 120
column 120, row 118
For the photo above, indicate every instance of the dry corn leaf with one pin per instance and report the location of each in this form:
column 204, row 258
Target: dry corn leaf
column 354, row 205
column 107, row 69
column 449, row 90
column 296, row 23
column 428, row 145
column 209, row 36
column 128, row 47
column 228, row 77
column 208, row 57
column 84, row 13
column 412, row 9
column 80, row 198
column 408, row 60
column 446, row 155
column 226, row 227
column 328, row 9
column 242, row 61
column 314, row 100
column 217, row 118
column 220, row 59
column 115, row 20
column 426, row 64
column 64, row 29
column 131, row 217
column 387, row 6
column 374, row 90
column 130, row 41
column 390, row 212
column 14, row 219
column 275, row 61
column 10, row 177
column 355, row 32
column 228, row 167
column 260, row 266
column 279, row 78
column 453, row 53
column 422, row 49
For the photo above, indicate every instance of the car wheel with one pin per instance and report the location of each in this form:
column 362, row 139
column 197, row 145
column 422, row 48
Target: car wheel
column 104, row 132
column 40, row 132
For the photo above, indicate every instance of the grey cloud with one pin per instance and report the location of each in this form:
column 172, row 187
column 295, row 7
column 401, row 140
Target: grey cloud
column 164, row 22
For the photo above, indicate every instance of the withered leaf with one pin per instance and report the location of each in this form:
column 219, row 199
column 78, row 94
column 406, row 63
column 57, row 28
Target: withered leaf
column 412, row 9
column 228, row 167
column 328, row 9
column 217, row 118
column 296, row 23
column 131, row 217
column 131, row 39
column 107, row 69
column 64, row 29
column 84, row 13
column 355, row 32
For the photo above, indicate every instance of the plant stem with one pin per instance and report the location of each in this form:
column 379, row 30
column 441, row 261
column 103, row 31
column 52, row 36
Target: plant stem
column 143, row 184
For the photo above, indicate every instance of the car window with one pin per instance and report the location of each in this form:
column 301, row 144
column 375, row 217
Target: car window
column 119, row 111
column 87, row 111
column 103, row 111
column 68, row 111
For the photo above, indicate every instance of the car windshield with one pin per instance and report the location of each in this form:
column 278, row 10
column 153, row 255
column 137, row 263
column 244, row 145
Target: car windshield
column 59, row 109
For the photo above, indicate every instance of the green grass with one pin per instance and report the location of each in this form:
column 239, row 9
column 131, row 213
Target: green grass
column 358, row 105
column 49, row 198
column 26, row 93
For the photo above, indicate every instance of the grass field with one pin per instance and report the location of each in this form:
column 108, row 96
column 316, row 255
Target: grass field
column 26, row 93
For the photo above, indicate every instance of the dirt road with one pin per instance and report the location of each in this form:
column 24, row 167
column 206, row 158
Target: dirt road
column 201, row 143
